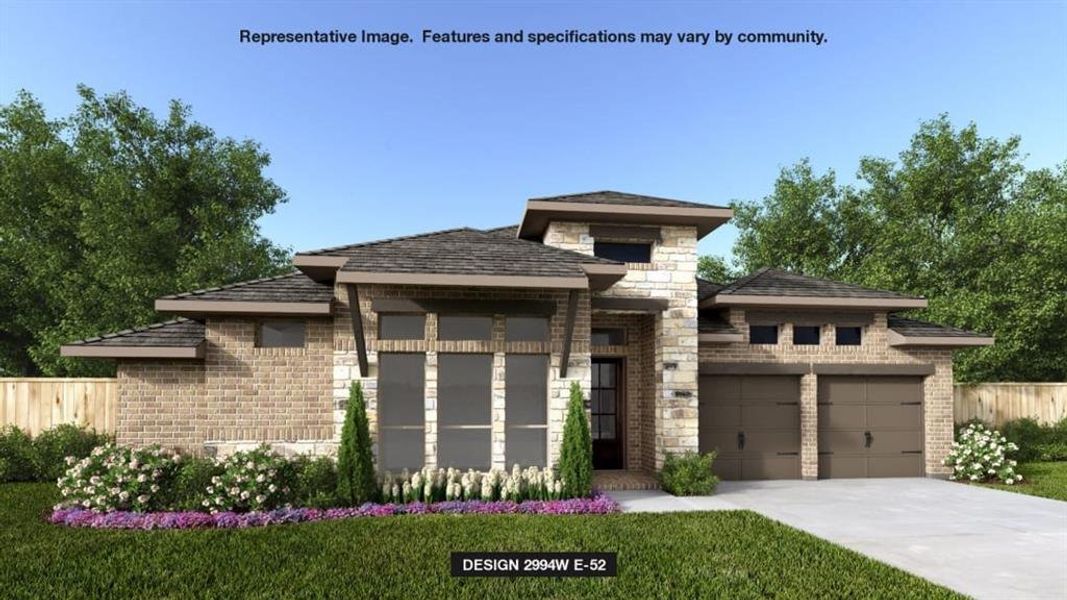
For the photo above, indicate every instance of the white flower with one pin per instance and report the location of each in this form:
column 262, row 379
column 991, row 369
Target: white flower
column 244, row 495
column 260, row 498
column 142, row 498
column 260, row 478
column 206, row 503
column 272, row 488
column 154, row 488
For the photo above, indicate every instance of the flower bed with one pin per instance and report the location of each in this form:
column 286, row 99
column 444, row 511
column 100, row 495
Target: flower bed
column 78, row 517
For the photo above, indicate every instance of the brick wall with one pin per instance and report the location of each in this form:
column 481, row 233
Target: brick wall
column 638, row 354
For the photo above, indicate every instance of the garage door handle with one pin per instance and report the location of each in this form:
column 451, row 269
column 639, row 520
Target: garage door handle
column 788, row 454
column 868, row 438
column 740, row 440
column 911, row 451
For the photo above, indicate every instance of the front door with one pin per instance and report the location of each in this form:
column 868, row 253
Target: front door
column 606, row 413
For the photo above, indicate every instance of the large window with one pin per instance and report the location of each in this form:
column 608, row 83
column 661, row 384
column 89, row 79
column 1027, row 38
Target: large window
column 455, row 327
column 401, row 327
column 464, row 410
column 849, row 336
column 623, row 252
column 527, row 329
column 280, row 334
column 526, row 410
column 401, row 411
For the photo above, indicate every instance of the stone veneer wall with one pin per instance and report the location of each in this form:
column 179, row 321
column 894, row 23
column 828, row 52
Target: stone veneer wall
column 238, row 397
column 639, row 355
column 670, row 275
column 874, row 349
column 346, row 365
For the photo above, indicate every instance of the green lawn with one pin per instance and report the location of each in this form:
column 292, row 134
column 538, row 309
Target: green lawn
column 724, row 554
column 1046, row 479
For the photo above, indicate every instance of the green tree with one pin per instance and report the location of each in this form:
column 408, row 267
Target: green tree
column 107, row 209
column 956, row 218
column 576, row 454
column 356, row 480
column 715, row 269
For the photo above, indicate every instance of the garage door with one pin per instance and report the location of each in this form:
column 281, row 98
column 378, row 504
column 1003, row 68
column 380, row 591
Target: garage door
column 754, row 423
column 870, row 427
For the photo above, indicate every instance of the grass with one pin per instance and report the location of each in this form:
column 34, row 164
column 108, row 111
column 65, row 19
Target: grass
column 1045, row 479
column 735, row 554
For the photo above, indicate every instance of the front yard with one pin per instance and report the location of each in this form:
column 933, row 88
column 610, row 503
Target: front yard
column 723, row 554
column 1045, row 479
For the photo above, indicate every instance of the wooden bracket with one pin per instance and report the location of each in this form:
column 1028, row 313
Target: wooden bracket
column 357, row 328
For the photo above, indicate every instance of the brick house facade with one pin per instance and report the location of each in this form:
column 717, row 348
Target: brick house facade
column 466, row 343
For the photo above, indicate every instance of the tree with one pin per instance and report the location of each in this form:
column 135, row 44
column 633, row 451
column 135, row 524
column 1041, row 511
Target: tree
column 356, row 482
column 715, row 269
column 957, row 219
column 576, row 454
column 111, row 207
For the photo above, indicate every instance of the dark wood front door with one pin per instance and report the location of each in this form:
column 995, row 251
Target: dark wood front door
column 607, row 413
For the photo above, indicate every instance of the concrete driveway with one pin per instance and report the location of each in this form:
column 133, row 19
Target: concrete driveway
column 981, row 542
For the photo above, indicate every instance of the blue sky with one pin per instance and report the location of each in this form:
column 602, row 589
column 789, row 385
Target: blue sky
column 396, row 140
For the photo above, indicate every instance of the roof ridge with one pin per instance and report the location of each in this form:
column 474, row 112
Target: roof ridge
column 125, row 332
column 385, row 240
column 743, row 280
column 839, row 282
column 230, row 286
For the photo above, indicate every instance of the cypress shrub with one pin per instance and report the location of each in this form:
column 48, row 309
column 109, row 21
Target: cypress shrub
column 356, row 480
column 576, row 455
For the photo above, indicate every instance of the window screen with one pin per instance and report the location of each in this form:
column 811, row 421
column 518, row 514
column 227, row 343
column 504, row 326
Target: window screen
column 401, row 411
column 280, row 334
column 608, row 336
column 527, row 329
column 763, row 334
column 464, row 406
column 401, row 327
column 806, row 335
column 623, row 252
column 454, row 327
column 526, row 412
column 849, row 336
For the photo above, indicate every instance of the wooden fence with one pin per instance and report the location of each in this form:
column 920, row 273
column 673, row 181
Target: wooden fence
column 999, row 402
column 38, row 403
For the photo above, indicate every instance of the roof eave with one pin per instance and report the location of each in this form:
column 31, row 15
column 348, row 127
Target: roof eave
column 895, row 338
column 317, row 267
column 193, row 307
column 114, row 351
column 837, row 302
column 603, row 276
column 539, row 213
column 450, row 279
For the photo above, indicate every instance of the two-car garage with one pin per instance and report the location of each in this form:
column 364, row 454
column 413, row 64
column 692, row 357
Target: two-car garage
column 868, row 425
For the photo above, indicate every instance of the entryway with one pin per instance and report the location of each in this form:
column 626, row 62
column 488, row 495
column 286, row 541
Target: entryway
column 607, row 413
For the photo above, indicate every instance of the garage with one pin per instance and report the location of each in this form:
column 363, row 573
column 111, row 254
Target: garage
column 870, row 426
column 753, row 421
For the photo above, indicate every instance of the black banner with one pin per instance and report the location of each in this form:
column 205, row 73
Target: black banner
column 534, row 564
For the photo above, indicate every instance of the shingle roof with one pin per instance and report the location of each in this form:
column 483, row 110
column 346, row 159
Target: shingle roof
column 916, row 328
column 712, row 322
column 624, row 199
column 178, row 333
column 707, row 289
column 509, row 231
column 775, row 282
column 291, row 287
column 466, row 251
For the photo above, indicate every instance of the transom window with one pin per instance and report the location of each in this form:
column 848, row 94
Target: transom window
column 462, row 327
column 806, row 335
column 401, row 327
column 280, row 334
column 763, row 334
column 849, row 336
column 624, row 251
column 527, row 329
column 608, row 336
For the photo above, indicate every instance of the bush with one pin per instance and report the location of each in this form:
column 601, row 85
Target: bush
column 53, row 446
column 440, row 485
column 17, row 455
column 316, row 482
column 688, row 474
column 117, row 478
column 576, row 455
column 1027, row 434
column 980, row 454
column 191, row 483
column 251, row 480
column 355, row 463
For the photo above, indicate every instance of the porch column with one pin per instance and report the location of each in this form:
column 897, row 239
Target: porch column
column 809, row 426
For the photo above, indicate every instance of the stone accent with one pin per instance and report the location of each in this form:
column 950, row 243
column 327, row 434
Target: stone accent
column 874, row 349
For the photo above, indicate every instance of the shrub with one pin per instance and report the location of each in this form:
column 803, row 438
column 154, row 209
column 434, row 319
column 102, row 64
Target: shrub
column 980, row 454
column 1027, row 434
column 194, row 477
column 688, row 474
column 439, row 485
column 53, row 446
column 251, row 480
column 17, row 455
column 576, row 455
column 117, row 478
column 316, row 482
column 355, row 462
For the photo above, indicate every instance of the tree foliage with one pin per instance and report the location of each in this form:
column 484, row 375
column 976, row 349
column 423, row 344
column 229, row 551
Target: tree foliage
column 957, row 218
column 576, row 453
column 111, row 207
column 715, row 269
column 356, row 479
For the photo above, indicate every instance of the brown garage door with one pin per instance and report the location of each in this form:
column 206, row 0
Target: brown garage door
column 870, row 427
column 754, row 423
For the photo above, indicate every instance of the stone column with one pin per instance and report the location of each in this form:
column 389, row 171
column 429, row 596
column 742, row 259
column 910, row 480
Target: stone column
column 809, row 427
column 499, row 401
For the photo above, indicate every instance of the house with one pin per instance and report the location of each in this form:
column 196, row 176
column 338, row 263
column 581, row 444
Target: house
column 466, row 342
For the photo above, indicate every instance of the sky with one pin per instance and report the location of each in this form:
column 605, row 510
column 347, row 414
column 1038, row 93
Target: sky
column 393, row 140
